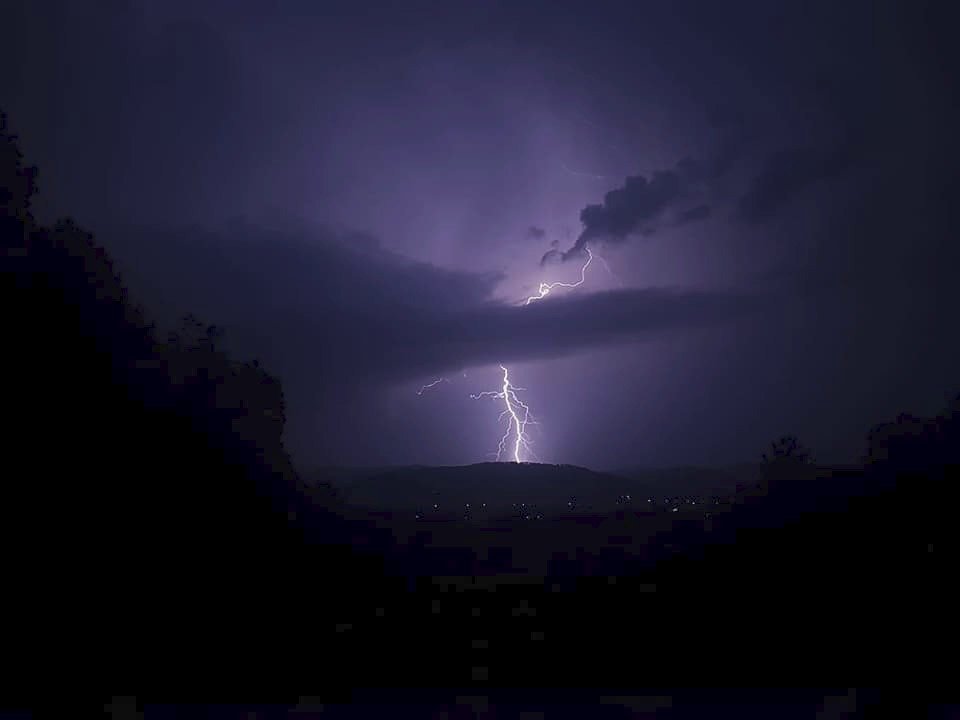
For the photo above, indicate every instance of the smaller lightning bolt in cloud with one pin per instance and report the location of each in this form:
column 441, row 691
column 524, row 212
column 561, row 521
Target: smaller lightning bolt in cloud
column 583, row 174
column 433, row 384
column 610, row 272
column 545, row 288
column 514, row 441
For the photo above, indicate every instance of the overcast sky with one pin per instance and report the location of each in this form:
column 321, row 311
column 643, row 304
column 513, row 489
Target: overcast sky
column 365, row 193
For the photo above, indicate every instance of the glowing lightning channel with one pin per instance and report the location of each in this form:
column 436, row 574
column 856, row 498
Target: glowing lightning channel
column 426, row 387
column 610, row 272
column 515, row 409
column 583, row 174
column 545, row 288
column 518, row 418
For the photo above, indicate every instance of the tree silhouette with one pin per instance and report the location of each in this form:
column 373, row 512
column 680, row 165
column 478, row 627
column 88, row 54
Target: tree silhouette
column 788, row 450
column 129, row 453
column 915, row 444
column 17, row 181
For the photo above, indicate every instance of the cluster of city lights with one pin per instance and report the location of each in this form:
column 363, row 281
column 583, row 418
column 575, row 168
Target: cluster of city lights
column 530, row 511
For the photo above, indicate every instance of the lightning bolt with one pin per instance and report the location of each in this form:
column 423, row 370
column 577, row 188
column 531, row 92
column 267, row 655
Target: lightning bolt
column 515, row 410
column 545, row 288
column 583, row 174
column 426, row 387
column 610, row 272
column 518, row 417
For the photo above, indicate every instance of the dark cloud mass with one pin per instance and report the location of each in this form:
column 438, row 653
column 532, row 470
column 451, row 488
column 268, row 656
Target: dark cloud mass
column 551, row 256
column 625, row 208
column 787, row 173
column 634, row 208
column 339, row 308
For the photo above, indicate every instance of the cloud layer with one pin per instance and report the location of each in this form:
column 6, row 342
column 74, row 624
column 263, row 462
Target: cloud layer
column 355, row 308
column 333, row 317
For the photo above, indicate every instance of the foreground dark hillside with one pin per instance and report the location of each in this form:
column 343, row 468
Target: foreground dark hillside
column 149, row 508
column 495, row 521
column 146, row 489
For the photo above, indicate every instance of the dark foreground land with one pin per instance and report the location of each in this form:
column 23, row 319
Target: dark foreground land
column 153, row 527
column 824, row 570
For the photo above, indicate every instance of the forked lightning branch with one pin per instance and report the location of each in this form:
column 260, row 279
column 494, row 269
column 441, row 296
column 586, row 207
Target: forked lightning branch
column 515, row 444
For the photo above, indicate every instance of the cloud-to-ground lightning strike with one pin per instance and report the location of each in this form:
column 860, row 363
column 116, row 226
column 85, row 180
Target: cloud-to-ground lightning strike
column 545, row 288
column 518, row 417
column 426, row 387
column 515, row 410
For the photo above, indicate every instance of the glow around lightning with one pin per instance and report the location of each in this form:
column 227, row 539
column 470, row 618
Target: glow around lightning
column 514, row 441
column 545, row 288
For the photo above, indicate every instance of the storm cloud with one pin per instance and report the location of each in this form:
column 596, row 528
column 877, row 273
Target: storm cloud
column 328, row 314
column 333, row 304
column 633, row 208
column 788, row 173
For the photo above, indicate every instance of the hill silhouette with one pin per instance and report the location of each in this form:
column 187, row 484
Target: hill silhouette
column 695, row 481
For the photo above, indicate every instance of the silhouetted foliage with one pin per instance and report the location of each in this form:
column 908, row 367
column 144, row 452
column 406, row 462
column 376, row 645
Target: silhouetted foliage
column 160, row 457
column 788, row 449
column 17, row 181
column 911, row 444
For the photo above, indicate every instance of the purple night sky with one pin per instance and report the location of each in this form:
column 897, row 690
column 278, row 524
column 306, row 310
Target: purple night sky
column 362, row 193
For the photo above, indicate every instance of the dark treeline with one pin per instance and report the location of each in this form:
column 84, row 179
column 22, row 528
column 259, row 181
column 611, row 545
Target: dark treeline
column 144, row 472
column 113, row 415
column 146, row 489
